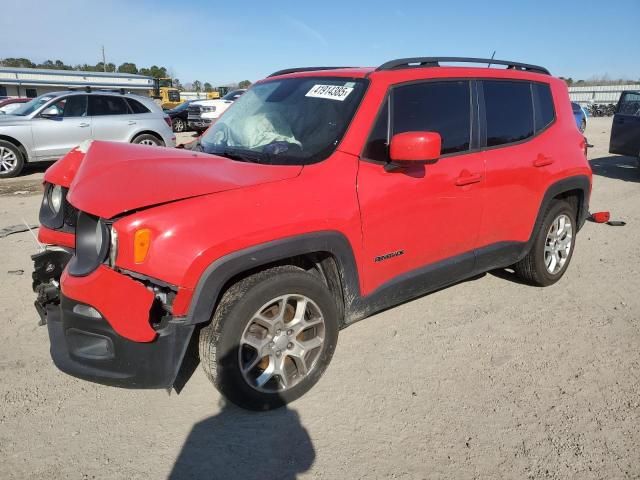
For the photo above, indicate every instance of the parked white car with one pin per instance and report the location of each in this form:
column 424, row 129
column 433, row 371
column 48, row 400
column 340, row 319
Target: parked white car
column 50, row 125
column 202, row 113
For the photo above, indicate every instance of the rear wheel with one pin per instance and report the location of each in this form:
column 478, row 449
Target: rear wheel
column 148, row 139
column 552, row 248
column 271, row 338
column 11, row 160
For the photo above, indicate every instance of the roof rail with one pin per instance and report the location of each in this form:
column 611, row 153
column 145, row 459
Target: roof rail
column 417, row 62
column 88, row 89
column 302, row 69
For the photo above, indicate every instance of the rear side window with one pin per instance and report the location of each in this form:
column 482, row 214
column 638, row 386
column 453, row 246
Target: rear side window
column 630, row 104
column 443, row 107
column 136, row 106
column 543, row 106
column 509, row 111
column 107, row 105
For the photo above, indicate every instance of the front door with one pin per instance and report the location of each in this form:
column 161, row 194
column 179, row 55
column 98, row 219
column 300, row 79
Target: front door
column 424, row 217
column 55, row 135
column 625, row 131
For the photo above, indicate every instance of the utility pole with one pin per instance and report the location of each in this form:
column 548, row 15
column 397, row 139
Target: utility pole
column 104, row 61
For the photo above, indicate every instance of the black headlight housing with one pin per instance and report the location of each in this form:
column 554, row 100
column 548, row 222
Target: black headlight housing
column 62, row 218
column 92, row 245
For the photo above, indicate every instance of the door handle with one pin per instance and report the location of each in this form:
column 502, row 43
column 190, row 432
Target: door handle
column 467, row 178
column 131, row 122
column 82, row 125
column 542, row 161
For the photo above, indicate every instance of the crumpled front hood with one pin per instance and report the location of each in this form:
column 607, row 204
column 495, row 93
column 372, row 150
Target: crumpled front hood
column 114, row 178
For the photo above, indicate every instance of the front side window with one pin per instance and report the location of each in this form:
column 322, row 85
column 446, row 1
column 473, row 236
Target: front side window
column 630, row 104
column 73, row 106
column 443, row 107
column 509, row 111
column 293, row 121
column 33, row 105
column 107, row 105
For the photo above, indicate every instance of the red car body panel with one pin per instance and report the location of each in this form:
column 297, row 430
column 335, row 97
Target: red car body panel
column 64, row 170
column 114, row 178
column 430, row 212
column 124, row 302
column 56, row 237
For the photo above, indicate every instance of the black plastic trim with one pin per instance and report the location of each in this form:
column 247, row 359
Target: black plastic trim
column 420, row 62
column 123, row 363
column 302, row 69
column 217, row 275
column 86, row 259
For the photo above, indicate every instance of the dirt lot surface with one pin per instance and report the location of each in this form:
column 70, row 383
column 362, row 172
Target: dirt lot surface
column 486, row 379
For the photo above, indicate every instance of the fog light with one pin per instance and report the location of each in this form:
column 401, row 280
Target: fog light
column 86, row 311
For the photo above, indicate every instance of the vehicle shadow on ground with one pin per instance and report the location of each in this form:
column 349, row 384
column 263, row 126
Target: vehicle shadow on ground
column 617, row 167
column 246, row 445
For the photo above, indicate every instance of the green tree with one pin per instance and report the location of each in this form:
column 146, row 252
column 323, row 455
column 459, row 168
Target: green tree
column 17, row 63
column 197, row 86
column 127, row 67
column 177, row 84
column 244, row 84
column 208, row 87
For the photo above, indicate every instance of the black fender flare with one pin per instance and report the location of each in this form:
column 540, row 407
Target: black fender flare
column 217, row 274
column 577, row 182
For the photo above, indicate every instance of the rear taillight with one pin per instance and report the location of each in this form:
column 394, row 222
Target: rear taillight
column 167, row 119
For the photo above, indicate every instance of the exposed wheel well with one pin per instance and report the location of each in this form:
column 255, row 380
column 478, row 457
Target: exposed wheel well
column 322, row 264
column 575, row 198
column 17, row 144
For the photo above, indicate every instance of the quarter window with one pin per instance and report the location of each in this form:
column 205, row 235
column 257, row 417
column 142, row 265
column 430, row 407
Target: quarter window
column 443, row 107
column 543, row 105
column 107, row 105
column 136, row 106
column 509, row 111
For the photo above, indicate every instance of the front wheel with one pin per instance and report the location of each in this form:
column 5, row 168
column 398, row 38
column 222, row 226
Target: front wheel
column 11, row 160
column 179, row 125
column 552, row 248
column 271, row 338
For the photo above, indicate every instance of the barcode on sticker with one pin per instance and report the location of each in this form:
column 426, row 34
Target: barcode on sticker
column 331, row 92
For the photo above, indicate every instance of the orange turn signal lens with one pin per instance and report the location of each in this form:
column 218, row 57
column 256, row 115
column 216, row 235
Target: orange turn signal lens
column 141, row 244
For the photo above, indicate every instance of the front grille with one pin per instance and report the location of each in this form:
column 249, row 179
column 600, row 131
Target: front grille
column 70, row 215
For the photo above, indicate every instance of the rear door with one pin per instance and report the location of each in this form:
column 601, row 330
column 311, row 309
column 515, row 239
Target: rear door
column 111, row 118
column 625, row 131
column 54, row 136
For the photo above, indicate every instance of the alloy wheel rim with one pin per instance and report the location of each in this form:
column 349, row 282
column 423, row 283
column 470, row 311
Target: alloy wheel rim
column 179, row 125
column 558, row 244
column 282, row 343
column 8, row 160
column 148, row 142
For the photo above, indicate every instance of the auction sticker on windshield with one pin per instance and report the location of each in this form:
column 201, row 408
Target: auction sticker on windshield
column 331, row 92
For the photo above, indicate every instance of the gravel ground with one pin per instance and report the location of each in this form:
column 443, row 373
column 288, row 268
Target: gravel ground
column 485, row 379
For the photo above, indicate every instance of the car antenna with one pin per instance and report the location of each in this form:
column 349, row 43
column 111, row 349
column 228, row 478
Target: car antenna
column 492, row 55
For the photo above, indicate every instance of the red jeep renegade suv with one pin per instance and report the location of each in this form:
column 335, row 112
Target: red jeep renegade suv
column 322, row 196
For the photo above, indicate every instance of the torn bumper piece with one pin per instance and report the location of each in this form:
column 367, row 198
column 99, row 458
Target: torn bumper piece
column 100, row 329
column 88, row 347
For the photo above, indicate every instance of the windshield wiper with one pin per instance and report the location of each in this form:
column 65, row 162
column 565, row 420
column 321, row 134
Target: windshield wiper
column 240, row 155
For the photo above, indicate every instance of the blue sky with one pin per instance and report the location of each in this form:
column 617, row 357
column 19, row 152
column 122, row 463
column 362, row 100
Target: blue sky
column 223, row 42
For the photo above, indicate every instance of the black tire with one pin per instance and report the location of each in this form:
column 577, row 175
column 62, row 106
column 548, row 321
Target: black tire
column 148, row 139
column 219, row 340
column 532, row 268
column 179, row 125
column 11, row 160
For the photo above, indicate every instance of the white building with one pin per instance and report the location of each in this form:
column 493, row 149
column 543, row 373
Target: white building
column 31, row 82
column 599, row 93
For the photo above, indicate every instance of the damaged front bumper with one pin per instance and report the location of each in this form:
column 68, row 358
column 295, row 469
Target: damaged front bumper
column 102, row 327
